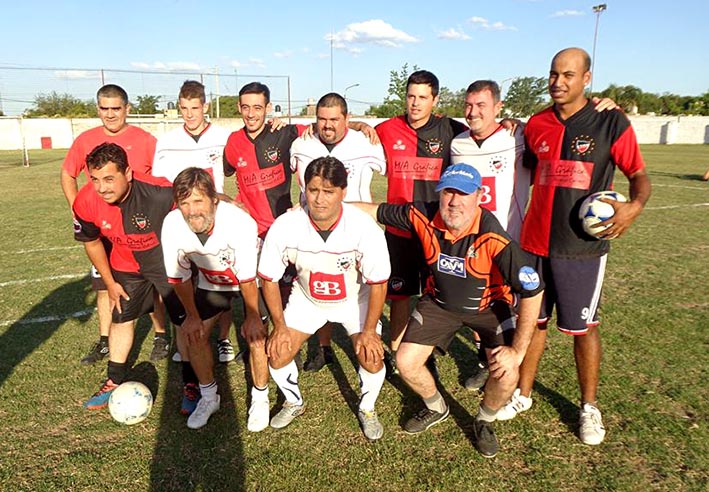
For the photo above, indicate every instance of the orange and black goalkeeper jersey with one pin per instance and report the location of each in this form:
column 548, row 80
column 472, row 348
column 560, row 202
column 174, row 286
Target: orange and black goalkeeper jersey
column 471, row 271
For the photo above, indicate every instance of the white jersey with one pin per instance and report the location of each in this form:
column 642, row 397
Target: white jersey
column 332, row 274
column 178, row 150
column 505, row 180
column 355, row 151
column 227, row 258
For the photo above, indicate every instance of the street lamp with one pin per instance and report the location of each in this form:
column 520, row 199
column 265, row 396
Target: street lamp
column 597, row 9
column 344, row 95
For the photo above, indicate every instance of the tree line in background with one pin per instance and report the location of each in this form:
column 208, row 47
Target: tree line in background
column 525, row 96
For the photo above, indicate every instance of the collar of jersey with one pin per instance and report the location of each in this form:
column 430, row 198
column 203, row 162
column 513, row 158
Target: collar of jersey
column 332, row 227
column 447, row 235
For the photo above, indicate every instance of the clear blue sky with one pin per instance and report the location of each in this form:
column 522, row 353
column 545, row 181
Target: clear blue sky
column 657, row 46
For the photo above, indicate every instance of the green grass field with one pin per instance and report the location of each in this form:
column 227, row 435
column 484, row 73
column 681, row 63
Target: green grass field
column 653, row 389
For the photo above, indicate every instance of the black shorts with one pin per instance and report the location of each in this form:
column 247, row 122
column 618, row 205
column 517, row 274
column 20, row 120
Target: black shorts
column 432, row 325
column 406, row 258
column 211, row 303
column 574, row 287
column 141, row 289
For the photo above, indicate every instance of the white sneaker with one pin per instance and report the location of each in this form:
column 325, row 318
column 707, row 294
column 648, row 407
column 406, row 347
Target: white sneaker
column 287, row 414
column 591, row 430
column 205, row 409
column 176, row 357
column 225, row 350
column 516, row 405
column 258, row 415
column 371, row 427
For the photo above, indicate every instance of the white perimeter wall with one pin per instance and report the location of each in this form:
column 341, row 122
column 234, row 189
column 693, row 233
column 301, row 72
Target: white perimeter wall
column 649, row 129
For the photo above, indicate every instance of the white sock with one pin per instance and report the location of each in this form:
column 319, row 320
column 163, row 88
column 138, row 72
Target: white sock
column 370, row 384
column 287, row 380
column 436, row 403
column 209, row 391
column 259, row 394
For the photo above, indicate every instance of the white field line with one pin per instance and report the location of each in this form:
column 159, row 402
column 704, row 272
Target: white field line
column 46, row 319
column 43, row 279
column 701, row 188
column 41, row 250
column 667, row 207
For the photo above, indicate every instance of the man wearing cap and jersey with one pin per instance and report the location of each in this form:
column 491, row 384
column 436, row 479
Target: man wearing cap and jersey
column 475, row 268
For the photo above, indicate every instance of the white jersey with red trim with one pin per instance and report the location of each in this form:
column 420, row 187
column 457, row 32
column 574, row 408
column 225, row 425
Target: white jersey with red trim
column 506, row 181
column 332, row 273
column 227, row 258
column 355, row 151
column 177, row 150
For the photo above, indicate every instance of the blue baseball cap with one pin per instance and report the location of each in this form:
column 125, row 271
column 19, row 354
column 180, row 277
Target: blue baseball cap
column 462, row 177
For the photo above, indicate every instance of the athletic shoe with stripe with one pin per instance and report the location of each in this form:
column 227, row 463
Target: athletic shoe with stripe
column 100, row 399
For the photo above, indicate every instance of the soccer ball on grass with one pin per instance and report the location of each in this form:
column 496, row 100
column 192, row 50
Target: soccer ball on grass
column 130, row 403
column 593, row 211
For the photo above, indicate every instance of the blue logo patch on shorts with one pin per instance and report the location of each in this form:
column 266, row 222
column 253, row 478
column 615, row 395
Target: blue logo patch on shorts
column 451, row 265
column 529, row 278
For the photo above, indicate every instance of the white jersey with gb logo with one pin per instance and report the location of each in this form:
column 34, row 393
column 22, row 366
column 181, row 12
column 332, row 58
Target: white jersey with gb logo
column 506, row 181
column 331, row 272
column 227, row 258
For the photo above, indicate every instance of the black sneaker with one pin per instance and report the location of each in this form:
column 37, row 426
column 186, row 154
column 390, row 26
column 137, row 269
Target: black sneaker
column 97, row 352
column 390, row 365
column 424, row 419
column 431, row 365
column 477, row 381
column 161, row 348
column 324, row 357
column 485, row 438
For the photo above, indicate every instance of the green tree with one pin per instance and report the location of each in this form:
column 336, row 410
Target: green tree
column 146, row 105
column 55, row 105
column 525, row 96
column 228, row 107
column 451, row 103
column 395, row 102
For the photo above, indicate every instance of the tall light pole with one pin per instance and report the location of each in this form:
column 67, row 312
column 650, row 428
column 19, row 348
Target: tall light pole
column 597, row 9
column 344, row 94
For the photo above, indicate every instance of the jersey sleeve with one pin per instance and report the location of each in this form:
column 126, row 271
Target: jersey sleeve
column 177, row 265
column 398, row 216
column 75, row 159
column 246, row 248
column 379, row 162
column 625, row 152
column 374, row 262
column 85, row 230
column 516, row 267
column 273, row 261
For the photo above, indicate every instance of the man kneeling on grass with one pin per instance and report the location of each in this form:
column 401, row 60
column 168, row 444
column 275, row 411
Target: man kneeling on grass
column 474, row 270
column 220, row 240
column 342, row 263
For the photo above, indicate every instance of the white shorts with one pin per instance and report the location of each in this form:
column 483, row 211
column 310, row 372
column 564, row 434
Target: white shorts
column 304, row 315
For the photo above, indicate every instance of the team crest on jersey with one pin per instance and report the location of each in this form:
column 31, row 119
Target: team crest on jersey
column 399, row 145
column 140, row 221
column 543, row 148
column 471, row 252
column 434, row 146
column 497, row 164
column 226, row 257
column 396, row 284
column 213, row 156
column 272, row 154
column 582, row 144
column 344, row 263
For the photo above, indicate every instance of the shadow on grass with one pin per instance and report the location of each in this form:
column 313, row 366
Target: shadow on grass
column 38, row 324
column 682, row 176
column 568, row 410
column 206, row 459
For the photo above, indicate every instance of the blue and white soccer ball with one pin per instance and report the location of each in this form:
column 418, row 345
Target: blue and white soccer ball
column 593, row 211
column 130, row 403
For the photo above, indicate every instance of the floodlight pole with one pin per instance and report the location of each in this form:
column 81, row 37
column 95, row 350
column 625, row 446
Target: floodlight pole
column 344, row 95
column 598, row 9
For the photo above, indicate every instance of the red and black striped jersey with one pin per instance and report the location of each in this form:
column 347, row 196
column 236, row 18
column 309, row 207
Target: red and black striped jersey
column 416, row 158
column 263, row 173
column 468, row 272
column 131, row 226
column 571, row 159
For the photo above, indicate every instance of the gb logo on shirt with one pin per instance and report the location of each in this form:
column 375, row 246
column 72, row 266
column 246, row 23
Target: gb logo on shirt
column 327, row 287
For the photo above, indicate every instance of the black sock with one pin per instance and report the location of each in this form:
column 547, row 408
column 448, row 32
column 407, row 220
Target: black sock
column 117, row 371
column 103, row 339
column 160, row 335
column 188, row 374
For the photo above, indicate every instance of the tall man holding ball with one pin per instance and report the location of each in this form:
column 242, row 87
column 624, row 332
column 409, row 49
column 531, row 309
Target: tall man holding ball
column 574, row 151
